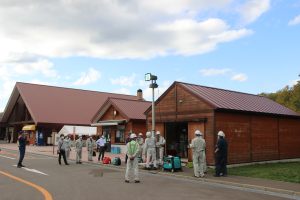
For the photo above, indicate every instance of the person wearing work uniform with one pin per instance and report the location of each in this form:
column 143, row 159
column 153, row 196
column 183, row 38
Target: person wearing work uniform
column 198, row 148
column 132, row 163
column 149, row 150
column 101, row 144
column 221, row 155
column 61, row 149
column 78, row 146
column 90, row 148
column 68, row 146
column 22, row 139
column 126, row 141
column 140, row 141
column 160, row 147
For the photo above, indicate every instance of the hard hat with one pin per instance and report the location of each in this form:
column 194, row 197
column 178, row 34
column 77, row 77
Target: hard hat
column 132, row 135
column 148, row 134
column 140, row 134
column 157, row 132
column 221, row 133
column 197, row 132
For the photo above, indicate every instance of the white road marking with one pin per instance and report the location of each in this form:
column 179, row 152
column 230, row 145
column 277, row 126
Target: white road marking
column 8, row 157
column 33, row 170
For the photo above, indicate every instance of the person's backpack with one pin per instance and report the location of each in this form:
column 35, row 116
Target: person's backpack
column 106, row 160
column 116, row 161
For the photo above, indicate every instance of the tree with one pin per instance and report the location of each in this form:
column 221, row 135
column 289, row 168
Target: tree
column 288, row 96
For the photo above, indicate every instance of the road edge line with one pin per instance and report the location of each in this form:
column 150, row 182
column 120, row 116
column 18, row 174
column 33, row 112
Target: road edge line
column 46, row 194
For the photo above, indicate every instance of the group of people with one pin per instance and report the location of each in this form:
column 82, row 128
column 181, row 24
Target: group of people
column 152, row 148
column 64, row 148
column 198, row 147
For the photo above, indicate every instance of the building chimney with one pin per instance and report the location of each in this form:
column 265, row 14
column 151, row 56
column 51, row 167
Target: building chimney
column 140, row 94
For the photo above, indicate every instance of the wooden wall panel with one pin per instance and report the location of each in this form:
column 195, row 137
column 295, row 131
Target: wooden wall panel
column 289, row 138
column 109, row 115
column 264, row 134
column 236, row 128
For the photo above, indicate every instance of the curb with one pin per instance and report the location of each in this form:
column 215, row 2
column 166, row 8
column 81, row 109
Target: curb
column 205, row 180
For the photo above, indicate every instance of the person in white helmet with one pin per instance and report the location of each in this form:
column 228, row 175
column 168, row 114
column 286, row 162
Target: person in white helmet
column 132, row 162
column 140, row 141
column 149, row 150
column 198, row 148
column 221, row 155
column 160, row 147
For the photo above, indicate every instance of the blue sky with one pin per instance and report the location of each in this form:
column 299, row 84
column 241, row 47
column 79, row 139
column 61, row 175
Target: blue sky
column 248, row 46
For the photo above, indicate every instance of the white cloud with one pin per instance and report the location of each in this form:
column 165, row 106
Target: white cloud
column 295, row 21
column 6, row 88
column 162, row 87
column 115, row 29
column 239, row 77
column 16, row 69
column 253, row 9
column 214, row 71
column 88, row 77
column 42, row 66
column 124, row 80
column 293, row 82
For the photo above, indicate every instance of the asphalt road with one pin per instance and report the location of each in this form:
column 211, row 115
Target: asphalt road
column 85, row 181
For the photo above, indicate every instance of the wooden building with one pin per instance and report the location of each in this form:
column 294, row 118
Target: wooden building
column 256, row 128
column 50, row 108
column 117, row 118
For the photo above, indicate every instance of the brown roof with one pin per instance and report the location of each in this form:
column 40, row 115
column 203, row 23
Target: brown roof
column 132, row 109
column 48, row 104
column 232, row 100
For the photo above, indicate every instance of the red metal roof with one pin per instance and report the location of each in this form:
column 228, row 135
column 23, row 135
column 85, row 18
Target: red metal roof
column 48, row 104
column 133, row 109
column 232, row 100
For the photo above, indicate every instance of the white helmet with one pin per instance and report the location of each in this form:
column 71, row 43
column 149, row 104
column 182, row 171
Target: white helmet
column 132, row 135
column 148, row 134
column 140, row 134
column 221, row 133
column 157, row 132
column 197, row 132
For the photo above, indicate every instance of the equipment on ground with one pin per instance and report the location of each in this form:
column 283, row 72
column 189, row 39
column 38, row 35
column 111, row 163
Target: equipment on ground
column 106, row 160
column 116, row 161
column 172, row 163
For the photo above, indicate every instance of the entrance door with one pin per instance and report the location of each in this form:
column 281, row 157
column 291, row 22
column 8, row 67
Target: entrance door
column 177, row 139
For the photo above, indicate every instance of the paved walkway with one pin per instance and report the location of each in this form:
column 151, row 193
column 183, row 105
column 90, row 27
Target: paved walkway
column 245, row 182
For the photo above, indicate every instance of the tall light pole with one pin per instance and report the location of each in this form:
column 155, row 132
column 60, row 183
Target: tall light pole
column 153, row 85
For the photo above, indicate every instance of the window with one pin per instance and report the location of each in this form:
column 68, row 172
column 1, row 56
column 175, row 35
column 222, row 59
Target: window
column 120, row 134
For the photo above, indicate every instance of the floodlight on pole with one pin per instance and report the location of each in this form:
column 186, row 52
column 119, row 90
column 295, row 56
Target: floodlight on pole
column 153, row 85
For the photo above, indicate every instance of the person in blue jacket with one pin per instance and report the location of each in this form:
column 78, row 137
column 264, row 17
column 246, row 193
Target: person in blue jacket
column 22, row 139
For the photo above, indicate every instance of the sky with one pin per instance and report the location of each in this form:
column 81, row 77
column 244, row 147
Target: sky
column 109, row 45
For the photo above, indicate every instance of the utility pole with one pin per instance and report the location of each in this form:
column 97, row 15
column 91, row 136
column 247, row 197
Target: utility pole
column 153, row 85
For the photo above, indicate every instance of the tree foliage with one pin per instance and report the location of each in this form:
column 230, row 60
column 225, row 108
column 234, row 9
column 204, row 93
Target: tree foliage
column 288, row 96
